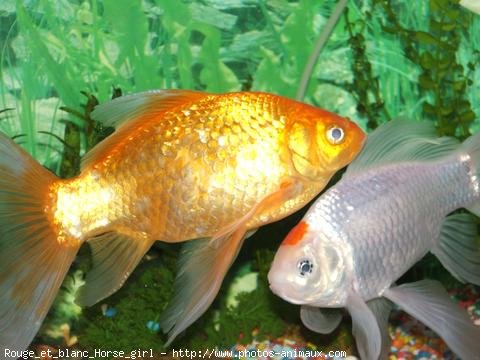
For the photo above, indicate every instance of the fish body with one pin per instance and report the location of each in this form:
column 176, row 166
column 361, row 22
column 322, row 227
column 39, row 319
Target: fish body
column 181, row 165
column 212, row 158
column 361, row 235
column 390, row 217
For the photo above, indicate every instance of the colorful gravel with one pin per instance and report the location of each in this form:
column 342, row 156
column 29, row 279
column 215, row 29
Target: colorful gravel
column 284, row 349
column 411, row 340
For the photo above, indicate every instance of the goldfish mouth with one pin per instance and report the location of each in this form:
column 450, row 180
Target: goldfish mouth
column 280, row 293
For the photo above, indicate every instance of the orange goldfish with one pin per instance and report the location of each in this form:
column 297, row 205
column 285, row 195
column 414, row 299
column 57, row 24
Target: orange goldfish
column 181, row 165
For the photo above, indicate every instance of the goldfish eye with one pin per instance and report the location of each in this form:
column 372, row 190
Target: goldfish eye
column 305, row 267
column 335, row 135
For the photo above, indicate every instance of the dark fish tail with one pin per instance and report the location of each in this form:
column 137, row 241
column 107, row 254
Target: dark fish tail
column 33, row 260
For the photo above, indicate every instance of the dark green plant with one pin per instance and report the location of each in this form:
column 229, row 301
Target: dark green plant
column 365, row 85
column 91, row 131
column 443, row 80
column 139, row 301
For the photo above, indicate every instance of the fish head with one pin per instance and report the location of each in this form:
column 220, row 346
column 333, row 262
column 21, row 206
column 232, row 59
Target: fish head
column 320, row 143
column 308, row 269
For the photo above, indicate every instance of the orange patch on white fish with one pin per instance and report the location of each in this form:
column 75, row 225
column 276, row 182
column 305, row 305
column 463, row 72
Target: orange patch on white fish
column 296, row 234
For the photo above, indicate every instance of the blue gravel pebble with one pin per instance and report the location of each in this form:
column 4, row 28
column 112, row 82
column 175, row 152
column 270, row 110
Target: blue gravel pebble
column 153, row 326
column 110, row 312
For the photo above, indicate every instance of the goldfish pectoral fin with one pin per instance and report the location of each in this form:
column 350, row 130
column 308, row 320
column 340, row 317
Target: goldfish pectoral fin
column 322, row 321
column 457, row 249
column 202, row 267
column 401, row 140
column 114, row 257
column 428, row 301
column 126, row 113
column 381, row 309
column 287, row 190
column 364, row 327
column 33, row 258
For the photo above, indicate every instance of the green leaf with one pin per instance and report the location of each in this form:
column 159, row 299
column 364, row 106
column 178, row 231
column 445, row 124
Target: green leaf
column 427, row 61
column 448, row 26
column 468, row 116
column 459, row 85
column 268, row 76
column 437, row 5
column 426, row 38
column 39, row 50
column 446, row 62
column 211, row 16
column 429, row 109
column 463, row 106
column 453, row 14
column 446, row 110
column 426, row 82
column 215, row 75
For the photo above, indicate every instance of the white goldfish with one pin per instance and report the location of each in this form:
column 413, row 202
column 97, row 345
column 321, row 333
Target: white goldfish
column 391, row 207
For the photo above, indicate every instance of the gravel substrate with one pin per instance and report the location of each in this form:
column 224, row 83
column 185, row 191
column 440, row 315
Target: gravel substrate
column 410, row 338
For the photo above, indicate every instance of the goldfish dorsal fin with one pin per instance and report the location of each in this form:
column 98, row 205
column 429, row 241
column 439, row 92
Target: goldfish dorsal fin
column 114, row 258
column 130, row 107
column 401, row 141
column 127, row 113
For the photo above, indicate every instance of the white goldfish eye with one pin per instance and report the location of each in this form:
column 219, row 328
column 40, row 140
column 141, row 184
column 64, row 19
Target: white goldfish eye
column 305, row 267
column 335, row 135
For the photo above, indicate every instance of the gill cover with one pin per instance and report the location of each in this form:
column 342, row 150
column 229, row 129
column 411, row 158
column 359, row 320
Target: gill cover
column 301, row 143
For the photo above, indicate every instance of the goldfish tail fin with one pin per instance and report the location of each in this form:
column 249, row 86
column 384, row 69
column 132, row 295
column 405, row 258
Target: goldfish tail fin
column 471, row 147
column 32, row 261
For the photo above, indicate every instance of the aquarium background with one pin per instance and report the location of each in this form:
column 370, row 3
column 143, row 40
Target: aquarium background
column 384, row 59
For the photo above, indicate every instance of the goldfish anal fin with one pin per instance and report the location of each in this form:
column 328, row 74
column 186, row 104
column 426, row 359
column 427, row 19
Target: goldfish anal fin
column 399, row 141
column 127, row 113
column 428, row 301
column 114, row 257
column 202, row 267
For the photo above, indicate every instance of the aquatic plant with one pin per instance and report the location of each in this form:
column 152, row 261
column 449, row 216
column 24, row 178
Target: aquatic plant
column 443, row 79
column 365, row 85
column 53, row 52
column 136, row 303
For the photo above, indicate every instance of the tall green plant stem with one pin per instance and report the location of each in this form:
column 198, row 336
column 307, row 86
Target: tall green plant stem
column 319, row 45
